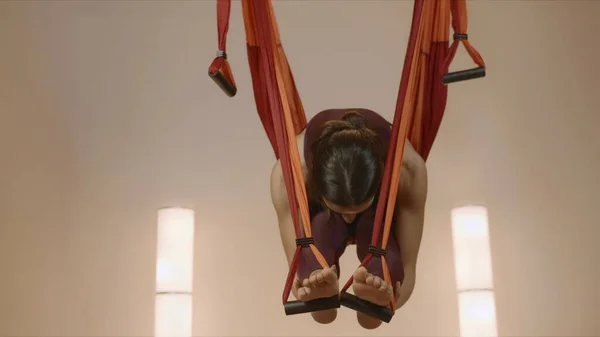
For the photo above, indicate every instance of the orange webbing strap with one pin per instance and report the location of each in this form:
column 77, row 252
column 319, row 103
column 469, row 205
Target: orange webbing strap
column 282, row 101
column 433, row 102
column 421, row 105
column 219, row 70
column 258, row 82
column 430, row 97
column 402, row 124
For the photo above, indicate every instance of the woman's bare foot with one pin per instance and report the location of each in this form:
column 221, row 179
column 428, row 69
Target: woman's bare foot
column 373, row 289
column 321, row 283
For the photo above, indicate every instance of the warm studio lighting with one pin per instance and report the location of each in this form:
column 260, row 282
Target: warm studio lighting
column 473, row 267
column 174, row 272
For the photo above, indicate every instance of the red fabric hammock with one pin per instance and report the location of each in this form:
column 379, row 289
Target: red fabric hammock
column 420, row 106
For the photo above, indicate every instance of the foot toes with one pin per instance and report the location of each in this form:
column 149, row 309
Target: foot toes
column 320, row 278
column 301, row 293
column 384, row 286
column 329, row 275
column 308, row 292
column 360, row 275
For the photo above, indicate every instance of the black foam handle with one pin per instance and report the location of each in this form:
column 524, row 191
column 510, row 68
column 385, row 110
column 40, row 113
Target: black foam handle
column 384, row 314
column 463, row 75
column 228, row 88
column 300, row 307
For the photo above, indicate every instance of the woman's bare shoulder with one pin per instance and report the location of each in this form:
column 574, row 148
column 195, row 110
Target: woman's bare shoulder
column 412, row 159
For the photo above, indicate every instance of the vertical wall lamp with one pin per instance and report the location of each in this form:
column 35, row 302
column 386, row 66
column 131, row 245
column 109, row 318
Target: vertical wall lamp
column 473, row 268
column 174, row 272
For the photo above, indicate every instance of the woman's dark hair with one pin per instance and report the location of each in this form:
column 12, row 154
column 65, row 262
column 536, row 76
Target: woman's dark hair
column 347, row 162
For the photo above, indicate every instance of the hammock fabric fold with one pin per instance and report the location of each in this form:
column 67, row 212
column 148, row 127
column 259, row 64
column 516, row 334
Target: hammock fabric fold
column 420, row 105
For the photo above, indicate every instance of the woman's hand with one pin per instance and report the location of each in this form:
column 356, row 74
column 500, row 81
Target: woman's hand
column 404, row 290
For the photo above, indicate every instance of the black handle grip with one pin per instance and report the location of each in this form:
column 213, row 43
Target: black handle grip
column 463, row 75
column 228, row 88
column 300, row 307
column 381, row 313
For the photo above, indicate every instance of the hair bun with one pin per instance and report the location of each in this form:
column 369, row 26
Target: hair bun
column 351, row 120
column 355, row 119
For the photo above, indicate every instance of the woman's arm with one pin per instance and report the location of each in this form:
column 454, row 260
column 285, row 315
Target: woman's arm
column 287, row 231
column 280, row 201
column 410, row 208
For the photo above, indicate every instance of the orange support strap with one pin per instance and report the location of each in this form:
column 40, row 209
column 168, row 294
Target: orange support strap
column 389, row 187
column 420, row 106
column 281, row 112
column 256, row 57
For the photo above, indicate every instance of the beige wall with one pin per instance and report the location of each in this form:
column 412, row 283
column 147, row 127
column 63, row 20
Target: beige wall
column 107, row 114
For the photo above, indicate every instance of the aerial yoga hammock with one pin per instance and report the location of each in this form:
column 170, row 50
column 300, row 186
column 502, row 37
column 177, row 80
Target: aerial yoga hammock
column 420, row 106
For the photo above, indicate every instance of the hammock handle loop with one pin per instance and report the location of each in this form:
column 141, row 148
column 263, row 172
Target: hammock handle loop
column 220, row 70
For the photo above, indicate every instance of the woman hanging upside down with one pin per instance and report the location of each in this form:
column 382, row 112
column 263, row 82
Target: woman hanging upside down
column 343, row 163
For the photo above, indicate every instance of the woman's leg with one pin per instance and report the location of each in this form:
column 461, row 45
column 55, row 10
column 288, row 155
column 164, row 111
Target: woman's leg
column 314, row 281
column 369, row 282
column 330, row 238
column 394, row 260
